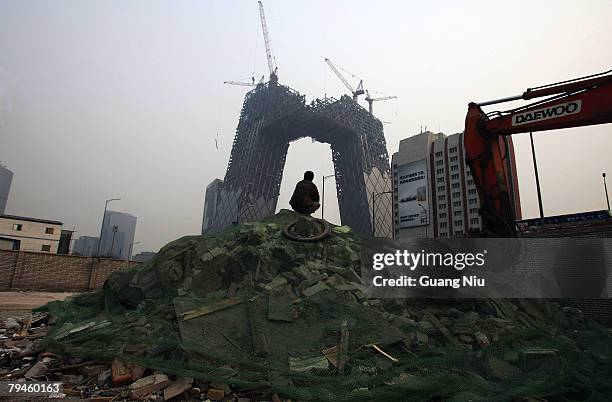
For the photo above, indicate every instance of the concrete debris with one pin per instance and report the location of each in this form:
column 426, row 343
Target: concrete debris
column 148, row 385
column 177, row 387
column 313, row 290
column 255, row 315
column 275, row 283
column 536, row 358
column 303, row 364
column 442, row 329
column 482, row 339
column 341, row 229
column 37, row 370
column 11, row 324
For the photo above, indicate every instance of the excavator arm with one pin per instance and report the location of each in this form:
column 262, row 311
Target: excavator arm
column 580, row 102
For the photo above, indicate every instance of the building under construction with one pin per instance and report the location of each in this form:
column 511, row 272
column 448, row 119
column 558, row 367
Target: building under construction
column 272, row 116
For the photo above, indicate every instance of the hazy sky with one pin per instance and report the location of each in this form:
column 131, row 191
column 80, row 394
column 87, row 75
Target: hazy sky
column 102, row 99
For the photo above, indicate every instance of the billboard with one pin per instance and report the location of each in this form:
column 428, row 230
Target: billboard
column 412, row 202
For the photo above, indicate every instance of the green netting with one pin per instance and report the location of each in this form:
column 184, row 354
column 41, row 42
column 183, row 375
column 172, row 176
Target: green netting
column 285, row 302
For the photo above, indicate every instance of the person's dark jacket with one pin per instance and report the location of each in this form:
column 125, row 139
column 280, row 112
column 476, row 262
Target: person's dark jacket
column 304, row 195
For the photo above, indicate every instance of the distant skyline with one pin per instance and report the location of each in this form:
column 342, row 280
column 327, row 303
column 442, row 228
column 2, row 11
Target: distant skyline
column 104, row 99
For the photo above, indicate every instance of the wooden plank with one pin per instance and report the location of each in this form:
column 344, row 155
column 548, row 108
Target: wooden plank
column 211, row 308
column 382, row 352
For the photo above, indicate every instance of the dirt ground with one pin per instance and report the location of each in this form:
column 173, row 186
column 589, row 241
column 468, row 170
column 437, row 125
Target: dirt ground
column 20, row 303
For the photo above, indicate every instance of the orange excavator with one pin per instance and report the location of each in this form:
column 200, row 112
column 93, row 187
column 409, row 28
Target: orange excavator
column 579, row 102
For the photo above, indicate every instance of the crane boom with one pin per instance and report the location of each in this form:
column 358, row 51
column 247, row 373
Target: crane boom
column 244, row 84
column 355, row 93
column 384, row 98
column 371, row 100
column 339, row 74
column 264, row 27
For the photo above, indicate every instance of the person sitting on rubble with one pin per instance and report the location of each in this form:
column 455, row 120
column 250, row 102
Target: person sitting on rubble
column 305, row 198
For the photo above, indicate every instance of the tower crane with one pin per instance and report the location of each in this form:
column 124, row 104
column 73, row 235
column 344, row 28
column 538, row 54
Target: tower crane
column 271, row 60
column 372, row 100
column 355, row 92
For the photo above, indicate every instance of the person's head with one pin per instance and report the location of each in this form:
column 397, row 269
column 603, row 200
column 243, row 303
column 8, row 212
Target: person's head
column 308, row 175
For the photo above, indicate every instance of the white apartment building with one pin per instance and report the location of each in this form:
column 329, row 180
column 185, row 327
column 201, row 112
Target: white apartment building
column 434, row 192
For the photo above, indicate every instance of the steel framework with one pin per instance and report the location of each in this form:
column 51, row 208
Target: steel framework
column 272, row 116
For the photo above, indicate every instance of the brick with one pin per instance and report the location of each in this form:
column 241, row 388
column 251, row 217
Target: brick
column 215, row 394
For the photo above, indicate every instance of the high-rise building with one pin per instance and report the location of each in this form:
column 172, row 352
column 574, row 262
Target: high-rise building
column 434, row 192
column 210, row 204
column 118, row 231
column 85, row 246
column 6, row 178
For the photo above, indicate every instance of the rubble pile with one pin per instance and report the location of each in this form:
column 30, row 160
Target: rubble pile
column 250, row 315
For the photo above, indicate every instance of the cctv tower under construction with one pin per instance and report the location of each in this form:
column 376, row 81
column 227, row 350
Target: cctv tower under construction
column 272, row 116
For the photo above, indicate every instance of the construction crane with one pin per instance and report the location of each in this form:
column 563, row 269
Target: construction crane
column 271, row 60
column 355, row 92
column 371, row 100
column 246, row 84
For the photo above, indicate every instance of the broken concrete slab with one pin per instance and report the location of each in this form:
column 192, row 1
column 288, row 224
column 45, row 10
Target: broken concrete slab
column 148, row 385
column 304, row 364
column 313, row 290
column 36, row 370
column 341, row 229
column 12, row 325
column 535, row 358
column 276, row 282
column 280, row 307
column 177, row 388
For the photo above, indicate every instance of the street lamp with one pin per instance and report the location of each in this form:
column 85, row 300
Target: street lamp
column 426, row 217
column 102, row 227
column 323, row 195
column 130, row 250
column 606, row 190
column 374, row 197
